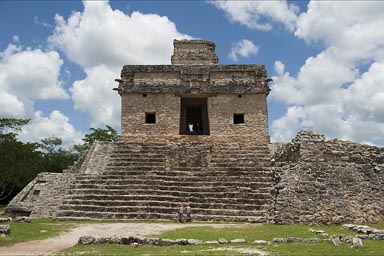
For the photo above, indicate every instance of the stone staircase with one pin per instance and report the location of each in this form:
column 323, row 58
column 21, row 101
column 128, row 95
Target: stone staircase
column 224, row 182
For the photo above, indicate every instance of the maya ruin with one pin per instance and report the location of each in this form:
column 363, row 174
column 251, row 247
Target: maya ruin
column 197, row 130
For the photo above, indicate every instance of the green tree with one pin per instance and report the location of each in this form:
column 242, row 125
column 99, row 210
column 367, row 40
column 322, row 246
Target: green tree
column 99, row 134
column 19, row 162
column 56, row 159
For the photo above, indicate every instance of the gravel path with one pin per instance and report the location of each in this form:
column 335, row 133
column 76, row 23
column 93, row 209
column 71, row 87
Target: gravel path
column 68, row 239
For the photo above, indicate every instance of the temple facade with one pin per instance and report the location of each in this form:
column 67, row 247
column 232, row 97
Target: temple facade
column 194, row 98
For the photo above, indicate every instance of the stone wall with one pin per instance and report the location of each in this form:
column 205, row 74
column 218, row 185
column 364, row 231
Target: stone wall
column 328, row 182
column 194, row 52
column 134, row 107
column 254, row 107
column 42, row 197
column 220, row 115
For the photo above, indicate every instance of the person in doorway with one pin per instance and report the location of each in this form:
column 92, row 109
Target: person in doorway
column 188, row 211
column 190, row 128
column 180, row 213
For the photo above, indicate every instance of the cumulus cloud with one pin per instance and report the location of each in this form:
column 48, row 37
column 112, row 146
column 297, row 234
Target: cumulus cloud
column 94, row 95
column 101, row 40
column 56, row 124
column 258, row 14
column 244, row 49
column 27, row 75
column 329, row 90
column 100, row 35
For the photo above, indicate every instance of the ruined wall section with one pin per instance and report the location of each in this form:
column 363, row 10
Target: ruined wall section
column 42, row 197
column 328, row 182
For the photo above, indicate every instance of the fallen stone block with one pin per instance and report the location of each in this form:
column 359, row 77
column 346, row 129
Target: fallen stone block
column 181, row 241
column 23, row 219
column 312, row 240
column 5, row 229
column 8, row 219
column 294, row 239
column 131, row 239
column 134, row 245
column 86, row 240
column 167, row 242
column 237, row 241
column 102, row 240
column 151, row 241
column 212, row 242
column 195, row 242
column 222, row 241
column 357, row 242
column 279, row 240
column 346, row 239
column 336, row 241
column 260, row 242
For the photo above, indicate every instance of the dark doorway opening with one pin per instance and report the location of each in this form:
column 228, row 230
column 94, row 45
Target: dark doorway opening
column 194, row 116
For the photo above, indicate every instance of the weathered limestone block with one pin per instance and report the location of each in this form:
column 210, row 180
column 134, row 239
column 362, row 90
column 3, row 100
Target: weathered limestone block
column 222, row 241
column 7, row 219
column 23, row 219
column 237, row 241
column 324, row 182
column 86, row 240
column 195, row 242
column 5, row 229
column 279, row 240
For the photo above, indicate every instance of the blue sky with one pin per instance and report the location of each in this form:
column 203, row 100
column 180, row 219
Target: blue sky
column 59, row 59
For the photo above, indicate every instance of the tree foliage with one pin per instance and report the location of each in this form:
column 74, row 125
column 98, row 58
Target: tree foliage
column 21, row 162
column 99, row 134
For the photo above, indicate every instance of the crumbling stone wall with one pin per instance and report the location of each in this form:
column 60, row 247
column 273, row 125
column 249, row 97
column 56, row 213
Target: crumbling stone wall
column 328, row 182
column 42, row 197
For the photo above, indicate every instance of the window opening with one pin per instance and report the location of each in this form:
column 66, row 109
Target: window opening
column 238, row 118
column 150, row 118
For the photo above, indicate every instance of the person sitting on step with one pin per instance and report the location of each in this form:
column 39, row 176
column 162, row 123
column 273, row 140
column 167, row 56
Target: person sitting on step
column 180, row 213
column 188, row 210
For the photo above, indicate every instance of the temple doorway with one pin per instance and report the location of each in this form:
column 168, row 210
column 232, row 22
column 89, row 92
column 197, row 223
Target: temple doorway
column 194, row 116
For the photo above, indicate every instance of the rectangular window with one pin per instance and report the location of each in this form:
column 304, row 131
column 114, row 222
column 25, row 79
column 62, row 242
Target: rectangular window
column 150, row 118
column 238, row 118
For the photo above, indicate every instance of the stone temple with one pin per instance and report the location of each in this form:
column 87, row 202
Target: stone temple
column 194, row 96
column 197, row 130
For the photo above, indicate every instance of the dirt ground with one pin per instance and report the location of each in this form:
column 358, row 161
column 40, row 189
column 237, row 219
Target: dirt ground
column 68, row 239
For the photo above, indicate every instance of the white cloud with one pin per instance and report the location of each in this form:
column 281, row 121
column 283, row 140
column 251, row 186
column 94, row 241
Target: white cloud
column 243, row 48
column 94, row 95
column 257, row 14
column 102, row 40
column 56, row 124
column 11, row 106
column 102, row 36
column 331, row 94
column 27, row 75
column 285, row 128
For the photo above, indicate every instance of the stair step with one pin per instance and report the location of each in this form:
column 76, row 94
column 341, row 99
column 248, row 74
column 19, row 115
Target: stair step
column 167, row 204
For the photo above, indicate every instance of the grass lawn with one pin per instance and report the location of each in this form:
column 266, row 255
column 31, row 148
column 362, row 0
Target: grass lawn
column 36, row 230
column 249, row 233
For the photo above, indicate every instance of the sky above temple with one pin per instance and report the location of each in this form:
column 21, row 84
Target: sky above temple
column 59, row 59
